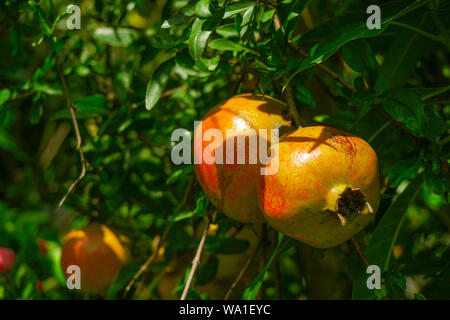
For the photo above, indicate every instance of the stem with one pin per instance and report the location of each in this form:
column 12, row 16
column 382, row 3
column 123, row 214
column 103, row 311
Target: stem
column 241, row 274
column 423, row 33
column 156, row 245
column 357, row 246
column 435, row 93
column 288, row 94
column 387, row 123
column 77, row 134
column 445, row 39
column 196, row 260
column 394, row 122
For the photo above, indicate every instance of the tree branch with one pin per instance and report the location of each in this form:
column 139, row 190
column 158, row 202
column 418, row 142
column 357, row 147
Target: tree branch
column 198, row 254
column 244, row 269
column 156, row 245
column 357, row 246
column 288, row 94
column 77, row 134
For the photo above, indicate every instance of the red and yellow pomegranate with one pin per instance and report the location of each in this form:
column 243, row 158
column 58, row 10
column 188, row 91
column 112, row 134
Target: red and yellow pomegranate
column 231, row 187
column 99, row 254
column 326, row 187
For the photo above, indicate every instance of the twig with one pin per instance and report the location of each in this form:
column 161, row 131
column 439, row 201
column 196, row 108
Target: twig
column 174, row 90
column 156, row 245
column 160, row 240
column 322, row 67
column 244, row 269
column 419, row 31
column 397, row 124
column 291, row 103
column 196, row 260
column 77, row 134
column 357, row 246
column 288, row 94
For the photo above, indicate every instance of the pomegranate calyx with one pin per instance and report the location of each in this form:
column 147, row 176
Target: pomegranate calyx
column 351, row 203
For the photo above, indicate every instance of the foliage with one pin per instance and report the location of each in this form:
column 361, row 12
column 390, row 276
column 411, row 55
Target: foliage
column 138, row 70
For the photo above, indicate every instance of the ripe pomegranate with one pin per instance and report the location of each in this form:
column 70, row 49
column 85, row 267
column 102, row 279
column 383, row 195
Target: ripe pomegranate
column 7, row 258
column 232, row 187
column 99, row 254
column 326, row 188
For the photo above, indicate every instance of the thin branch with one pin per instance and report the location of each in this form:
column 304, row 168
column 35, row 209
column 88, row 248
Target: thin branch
column 174, row 90
column 435, row 93
column 244, row 269
column 288, row 94
column 198, row 254
column 397, row 124
column 357, row 246
column 419, row 31
column 156, row 245
column 77, row 134
column 160, row 240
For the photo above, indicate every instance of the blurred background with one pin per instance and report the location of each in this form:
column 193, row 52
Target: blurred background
column 194, row 55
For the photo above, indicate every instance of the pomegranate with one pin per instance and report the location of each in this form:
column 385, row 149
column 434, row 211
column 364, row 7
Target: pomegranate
column 99, row 254
column 326, row 188
column 231, row 187
column 7, row 258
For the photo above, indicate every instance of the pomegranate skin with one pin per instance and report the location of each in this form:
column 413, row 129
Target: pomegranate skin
column 232, row 187
column 7, row 259
column 99, row 254
column 318, row 167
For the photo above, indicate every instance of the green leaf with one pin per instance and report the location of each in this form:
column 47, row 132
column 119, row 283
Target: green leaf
column 204, row 9
column 36, row 112
column 228, row 45
column 198, row 39
column 359, row 56
column 182, row 16
column 207, row 271
column 5, row 94
column 120, row 37
column 227, row 31
column 406, row 107
column 178, row 174
column 379, row 249
column 121, row 280
column 404, row 170
column 304, row 95
column 295, row 13
column 95, row 103
column 400, row 59
column 237, row 7
column 227, row 245
column 47, row 89
column 347, row 28
column 157, row 84
column 252, row 291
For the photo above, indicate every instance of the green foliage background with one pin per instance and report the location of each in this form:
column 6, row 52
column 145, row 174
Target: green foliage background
column 137, row 70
